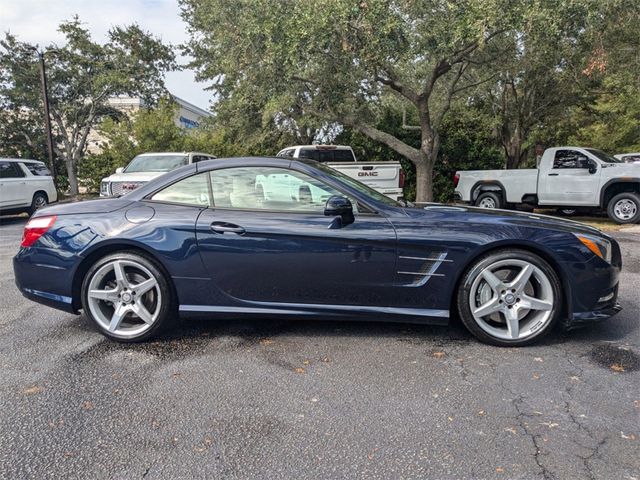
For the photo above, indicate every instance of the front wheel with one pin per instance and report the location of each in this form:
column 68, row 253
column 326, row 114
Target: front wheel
column 509, row 298
column 128, row 297
column 624, row 208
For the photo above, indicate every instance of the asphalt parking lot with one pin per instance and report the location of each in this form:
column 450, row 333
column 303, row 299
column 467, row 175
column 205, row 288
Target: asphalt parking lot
column 286, row 399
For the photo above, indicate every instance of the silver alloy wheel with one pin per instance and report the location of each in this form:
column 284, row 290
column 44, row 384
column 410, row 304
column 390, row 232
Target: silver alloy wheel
column 625, row 209
column 512, row 299
column 40, row 202
column 487, row 202
column 124, row 298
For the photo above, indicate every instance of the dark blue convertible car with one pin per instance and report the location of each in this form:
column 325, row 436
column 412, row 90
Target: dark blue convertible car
column 278, row 238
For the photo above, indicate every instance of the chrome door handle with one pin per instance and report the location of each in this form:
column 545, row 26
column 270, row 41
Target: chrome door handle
column 223, row 227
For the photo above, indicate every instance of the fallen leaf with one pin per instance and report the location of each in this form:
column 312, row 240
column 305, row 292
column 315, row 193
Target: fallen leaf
column 32, row 390
column 87, row 405
column 616, row 367
column 574, row 378
column 325, row 359
column 439, row 355
column 450, row 419
column 499, row 470
column 511, row 430
column 538, row 359
column 306, row 362
column 636, row 403
column 481, row 412
column 299, row 370
column 631, row 436
column 266, row 341
column 536, row 376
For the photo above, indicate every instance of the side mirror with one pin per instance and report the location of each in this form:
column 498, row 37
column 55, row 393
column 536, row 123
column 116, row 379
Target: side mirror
column 338, row 206
column 593, row 168
column 119, row 169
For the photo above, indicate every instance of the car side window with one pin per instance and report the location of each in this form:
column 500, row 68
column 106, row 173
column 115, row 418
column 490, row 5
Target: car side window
column 570, row 159
column 38, row 169
column 268, row 188
column 10, row 170
column 193, row 190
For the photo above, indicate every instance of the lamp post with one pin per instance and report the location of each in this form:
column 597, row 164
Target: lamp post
column 47, row 116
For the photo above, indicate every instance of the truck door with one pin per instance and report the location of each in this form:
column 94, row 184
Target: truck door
column 569, row 178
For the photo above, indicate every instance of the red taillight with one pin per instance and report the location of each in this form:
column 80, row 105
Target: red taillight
column 402, row 178
column 456, row 179
column 35, row 228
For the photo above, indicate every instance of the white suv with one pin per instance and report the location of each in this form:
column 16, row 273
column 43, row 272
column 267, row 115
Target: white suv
column 25, row 186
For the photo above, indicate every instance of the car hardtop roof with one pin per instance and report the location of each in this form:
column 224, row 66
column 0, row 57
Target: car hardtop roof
column 28, row 160
column 321, row 147
column 172, row 153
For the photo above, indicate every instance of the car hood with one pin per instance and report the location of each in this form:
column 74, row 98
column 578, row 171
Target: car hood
column 508, row 216
column 103, row 205
column 133, row 177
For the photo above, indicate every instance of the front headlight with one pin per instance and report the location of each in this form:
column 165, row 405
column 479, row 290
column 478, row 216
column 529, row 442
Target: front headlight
column 104, row 188
column 598, row 245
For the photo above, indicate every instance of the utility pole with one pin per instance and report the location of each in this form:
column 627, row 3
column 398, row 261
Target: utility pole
column 47, row 116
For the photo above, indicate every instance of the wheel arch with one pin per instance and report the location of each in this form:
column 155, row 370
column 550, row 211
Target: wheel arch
column 618, row 185
column 487, row 186
column 42, row 192
column 536, row 249
column 106, row 248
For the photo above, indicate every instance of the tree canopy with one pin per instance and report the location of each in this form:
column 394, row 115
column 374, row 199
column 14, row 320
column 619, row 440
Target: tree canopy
column 82, row 75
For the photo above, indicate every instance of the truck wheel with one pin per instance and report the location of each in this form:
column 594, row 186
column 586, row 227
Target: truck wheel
column 624, row 208
column 489, row 200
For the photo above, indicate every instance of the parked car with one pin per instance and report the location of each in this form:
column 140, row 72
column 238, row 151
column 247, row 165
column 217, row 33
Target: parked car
column 567, row 178
column 385, row 177
column 205, row 240
column 145, row 167
column 25, row 186
column 629, row 157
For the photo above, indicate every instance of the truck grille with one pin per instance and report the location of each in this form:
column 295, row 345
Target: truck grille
column 121, row 188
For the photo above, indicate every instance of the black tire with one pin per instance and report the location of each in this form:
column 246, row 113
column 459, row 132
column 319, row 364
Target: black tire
column 624, row 208
column 167, row 314
column 488, row 198
column 473, row 272
column 39, row 200
column 567, row 212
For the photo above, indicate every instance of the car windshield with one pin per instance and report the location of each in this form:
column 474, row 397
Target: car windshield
column 603, row 156
column 156, row 163
column 361, row 187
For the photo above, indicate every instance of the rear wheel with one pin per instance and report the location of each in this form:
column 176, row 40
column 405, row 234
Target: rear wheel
column 128, row 297
column 568, row 212
column 509, row 298
column 39, row 200
column 624, row 208
column 489, row 200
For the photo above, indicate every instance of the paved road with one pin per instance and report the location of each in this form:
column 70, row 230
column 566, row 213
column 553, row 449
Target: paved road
column 314, row 400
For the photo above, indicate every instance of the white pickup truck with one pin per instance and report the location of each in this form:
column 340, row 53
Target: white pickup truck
column 145, row 167
column 566, row 178
column 384, row 177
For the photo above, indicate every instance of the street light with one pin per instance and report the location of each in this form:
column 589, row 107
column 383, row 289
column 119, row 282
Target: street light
column 45, row 98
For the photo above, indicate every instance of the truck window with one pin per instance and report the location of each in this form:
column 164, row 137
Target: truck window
column 570, row 159
column 38, row 169
column 343, row 156
column 310, row 153
column 287, row 153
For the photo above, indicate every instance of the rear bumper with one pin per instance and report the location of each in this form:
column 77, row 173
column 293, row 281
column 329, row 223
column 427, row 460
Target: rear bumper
column 43, row 283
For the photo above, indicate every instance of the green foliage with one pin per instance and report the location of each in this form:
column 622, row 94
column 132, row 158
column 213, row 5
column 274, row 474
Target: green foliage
column 82, row 75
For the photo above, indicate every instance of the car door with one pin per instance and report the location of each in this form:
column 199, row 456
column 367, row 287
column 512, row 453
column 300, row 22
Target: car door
column 266, row 240
column 570, row 180
column 13, row 191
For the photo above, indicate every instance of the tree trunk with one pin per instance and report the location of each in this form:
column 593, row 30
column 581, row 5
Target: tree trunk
column 72, row 176
column 424, row 180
